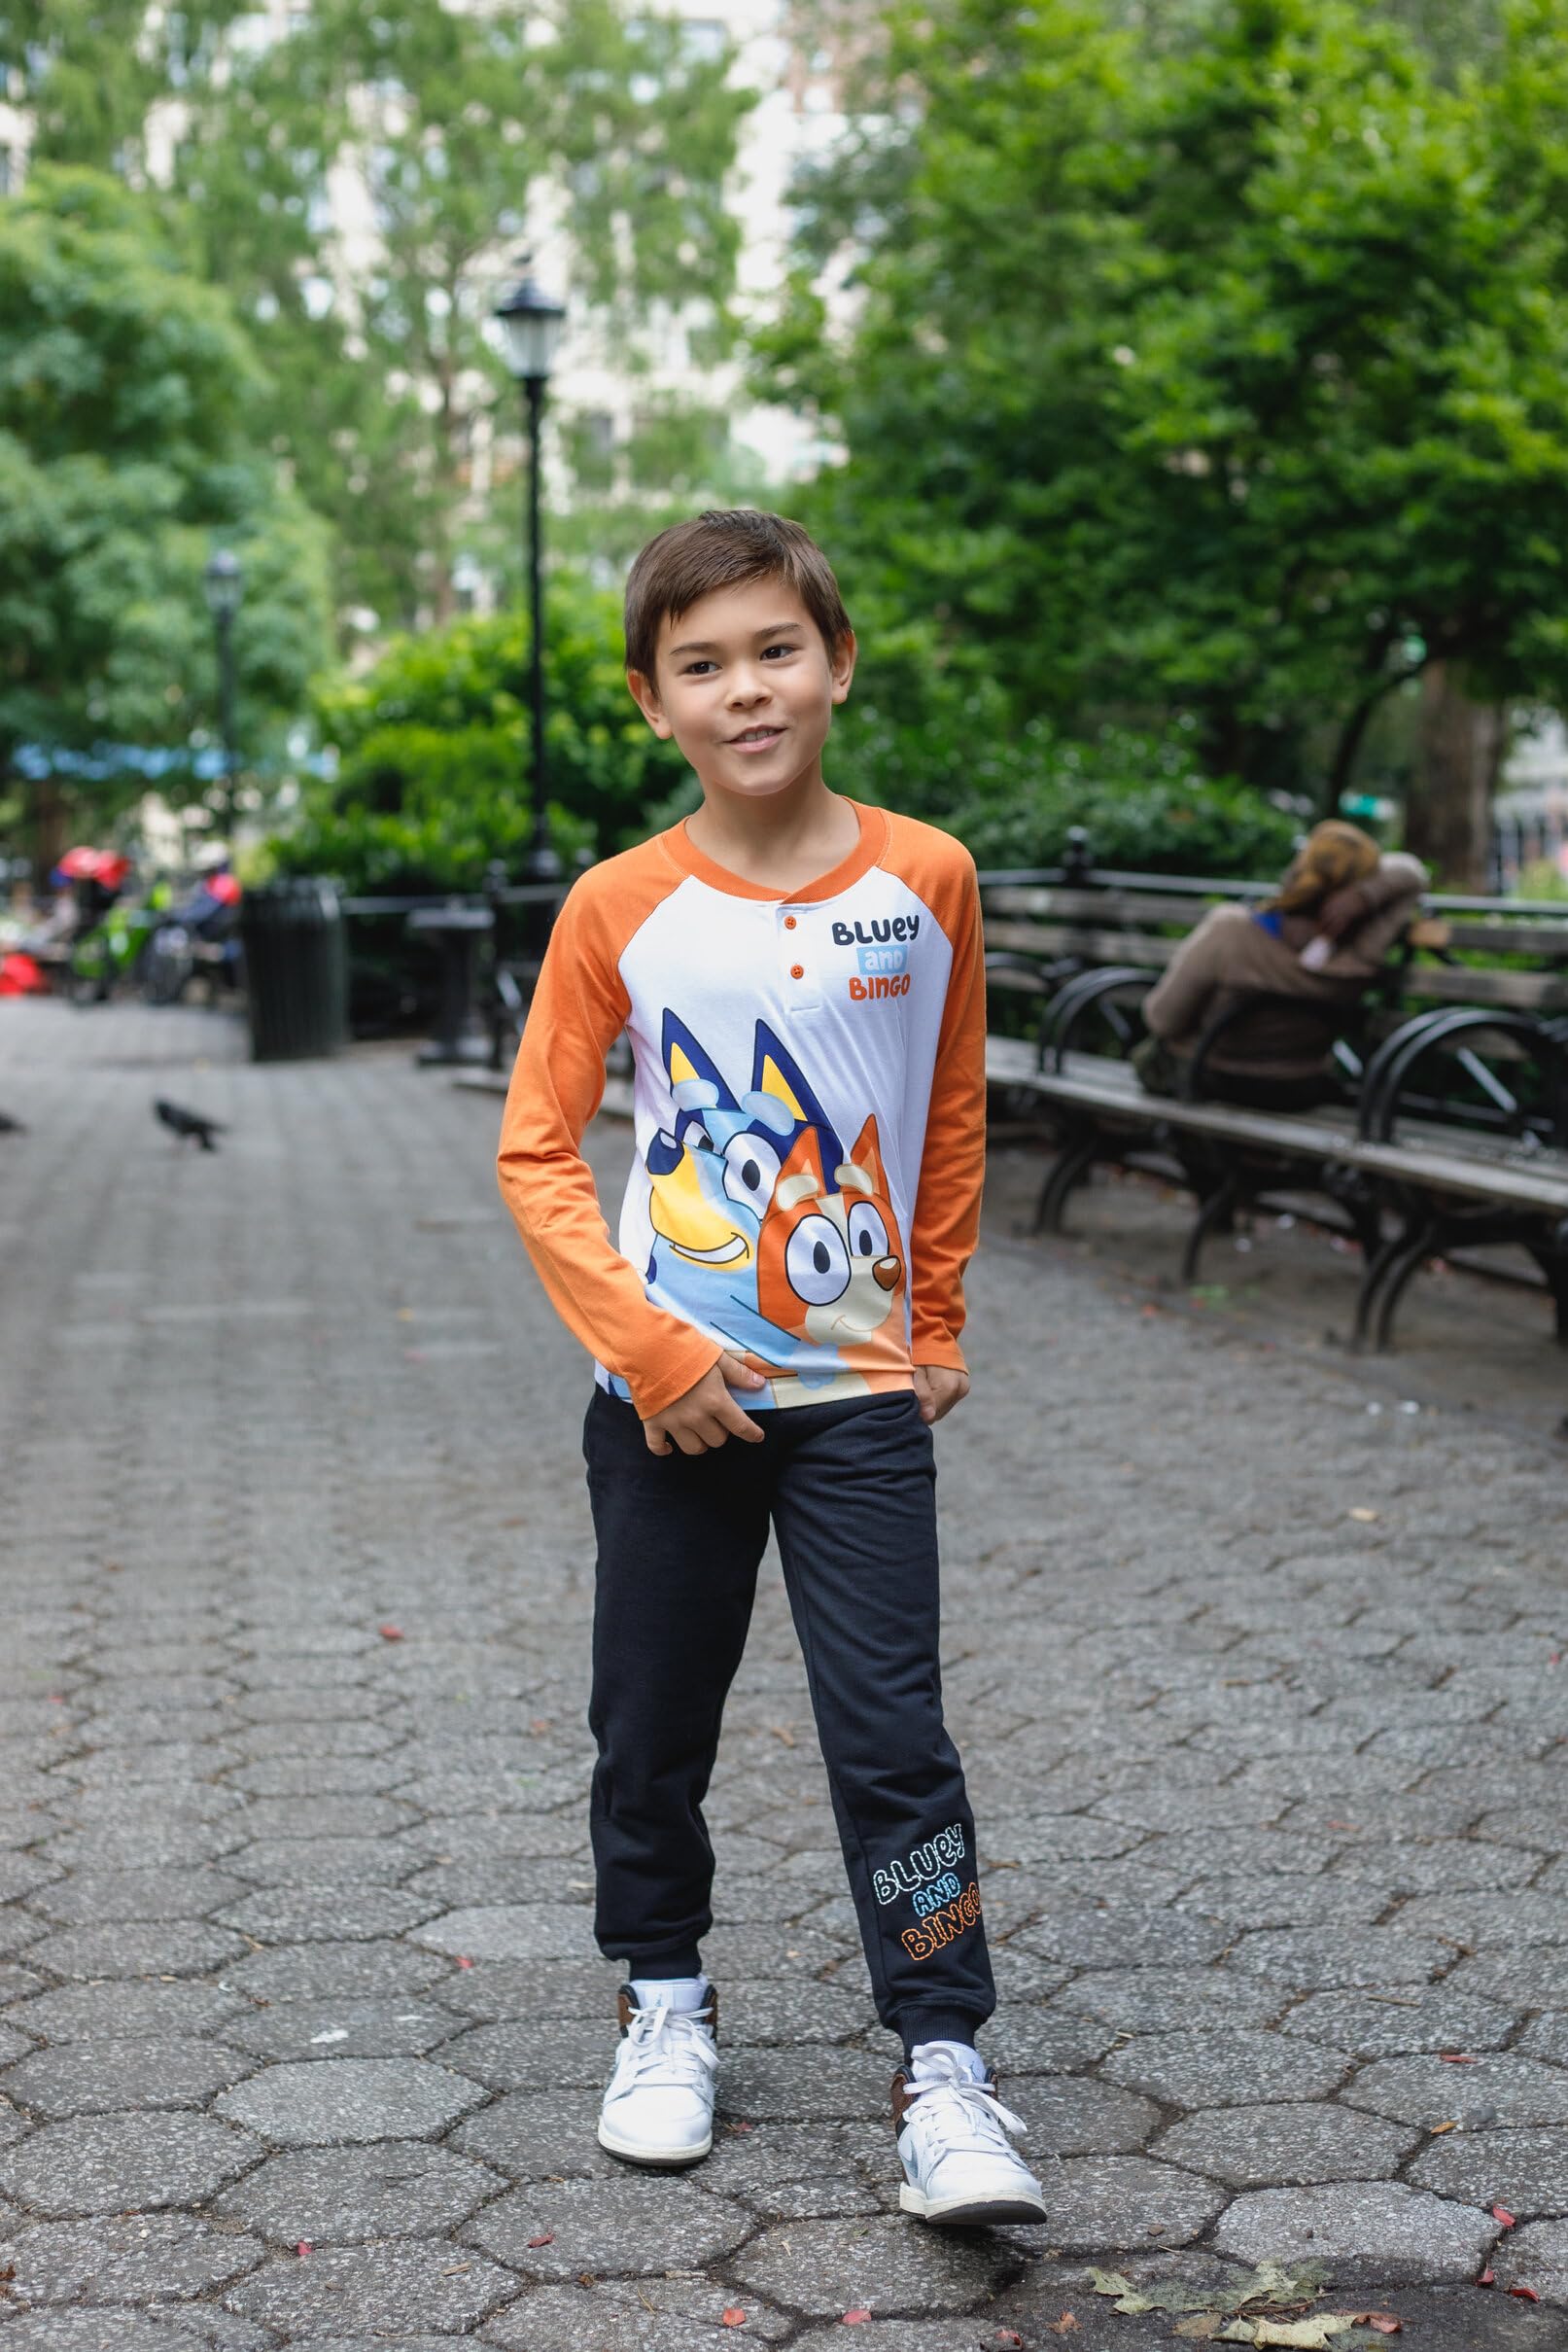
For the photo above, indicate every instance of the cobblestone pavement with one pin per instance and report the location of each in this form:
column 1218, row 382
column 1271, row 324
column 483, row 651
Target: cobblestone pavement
column 300, row 2020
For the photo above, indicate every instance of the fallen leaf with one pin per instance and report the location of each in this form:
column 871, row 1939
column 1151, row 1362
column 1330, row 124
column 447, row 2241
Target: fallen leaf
column 1066, row 2325
column 462, row 1960
column 1436, row 2128
column 1501, row 2213
column 390, row 1632
column 732, row 2316
column 548, row 2239
column 304, row 2247
column 586, row 2278
column 1486, row 2277
column 1011, row 2338
column 1527, row 2294
column 854, row 2319
column 1304, row 2335
column 1366, row 1517
column 1455, row 2057
column 1381, row 2323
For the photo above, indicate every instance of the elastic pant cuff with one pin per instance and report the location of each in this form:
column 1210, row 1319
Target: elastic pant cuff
column 658, row 1968
column 937, row 2025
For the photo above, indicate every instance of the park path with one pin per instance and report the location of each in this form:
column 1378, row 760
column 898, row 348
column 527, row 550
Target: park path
column 1263, row 1692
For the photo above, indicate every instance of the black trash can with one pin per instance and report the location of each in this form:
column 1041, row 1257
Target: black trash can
column 295, row 970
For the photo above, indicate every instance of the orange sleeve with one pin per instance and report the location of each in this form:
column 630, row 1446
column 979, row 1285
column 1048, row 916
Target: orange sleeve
column 578, row 1011
column 952, row 1163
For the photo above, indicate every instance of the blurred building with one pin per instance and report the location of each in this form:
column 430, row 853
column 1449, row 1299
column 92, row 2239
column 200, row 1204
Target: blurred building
column 1530, row 812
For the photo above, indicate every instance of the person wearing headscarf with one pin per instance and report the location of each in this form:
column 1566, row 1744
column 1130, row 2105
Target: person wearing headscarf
column 1321, row 939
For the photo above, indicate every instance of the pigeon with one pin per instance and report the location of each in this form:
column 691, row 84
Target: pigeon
column 188, row 1125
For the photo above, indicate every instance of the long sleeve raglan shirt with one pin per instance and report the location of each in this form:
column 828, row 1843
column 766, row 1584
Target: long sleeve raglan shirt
column 809, row 1112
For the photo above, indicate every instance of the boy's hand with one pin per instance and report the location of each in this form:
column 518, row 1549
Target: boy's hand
column 707, row 1415
column 938, row 1389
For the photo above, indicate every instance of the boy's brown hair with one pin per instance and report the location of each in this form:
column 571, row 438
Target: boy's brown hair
column 724, row 548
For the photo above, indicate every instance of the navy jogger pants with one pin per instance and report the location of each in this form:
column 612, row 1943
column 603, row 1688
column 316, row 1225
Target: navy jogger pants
column 850, row 1490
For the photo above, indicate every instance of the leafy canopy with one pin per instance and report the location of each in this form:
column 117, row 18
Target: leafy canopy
column 1213, row 363
column 353, row 176
column 127, row 405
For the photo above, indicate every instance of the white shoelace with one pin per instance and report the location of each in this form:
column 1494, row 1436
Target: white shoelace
column 667, row 2046
column 959, row 2115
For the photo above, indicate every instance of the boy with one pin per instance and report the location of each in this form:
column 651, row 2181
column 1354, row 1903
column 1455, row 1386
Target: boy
column 802, row 983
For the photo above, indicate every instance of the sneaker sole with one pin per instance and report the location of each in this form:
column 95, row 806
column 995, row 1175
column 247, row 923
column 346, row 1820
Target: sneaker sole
column 656, row 2160
column 969, row 2213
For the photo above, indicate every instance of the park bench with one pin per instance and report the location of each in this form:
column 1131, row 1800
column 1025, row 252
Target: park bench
column 1445, row 1128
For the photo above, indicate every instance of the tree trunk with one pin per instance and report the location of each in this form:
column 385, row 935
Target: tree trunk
column 1449, row 808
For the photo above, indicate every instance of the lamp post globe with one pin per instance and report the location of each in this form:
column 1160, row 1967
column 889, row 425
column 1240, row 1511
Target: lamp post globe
column 530, row 324
column 223, row 582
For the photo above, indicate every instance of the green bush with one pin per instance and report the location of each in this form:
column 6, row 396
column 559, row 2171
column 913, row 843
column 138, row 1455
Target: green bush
column 952, row 752
column 432, row 753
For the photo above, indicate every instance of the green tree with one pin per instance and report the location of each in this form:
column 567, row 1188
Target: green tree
column 127, row 400
column 457, row 127
column 86, row 73
column 1214, row 368
column 445, row 131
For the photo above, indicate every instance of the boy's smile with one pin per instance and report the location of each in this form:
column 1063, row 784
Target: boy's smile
column 745, row 685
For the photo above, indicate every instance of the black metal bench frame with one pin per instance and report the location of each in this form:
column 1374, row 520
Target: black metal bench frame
column 1227, row 1169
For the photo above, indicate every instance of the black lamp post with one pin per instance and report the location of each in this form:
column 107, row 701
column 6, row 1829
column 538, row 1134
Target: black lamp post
column 532, row 325
column 224, row 583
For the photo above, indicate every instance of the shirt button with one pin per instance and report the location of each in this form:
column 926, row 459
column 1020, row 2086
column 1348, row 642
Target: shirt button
column 797, row 972
column 789, row 923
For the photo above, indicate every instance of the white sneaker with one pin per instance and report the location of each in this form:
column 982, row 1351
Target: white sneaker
column 659, row 2107
column 952, row 2142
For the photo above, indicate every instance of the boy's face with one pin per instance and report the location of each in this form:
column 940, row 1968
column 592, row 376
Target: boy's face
column 745, row 683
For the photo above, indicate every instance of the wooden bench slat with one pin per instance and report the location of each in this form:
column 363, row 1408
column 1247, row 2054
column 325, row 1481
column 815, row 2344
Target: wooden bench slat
column 1420, row 982
column 1095, row 907
column 1514, row 992
column 1435, row 1157
column 1110, row 909
column 1071, row 940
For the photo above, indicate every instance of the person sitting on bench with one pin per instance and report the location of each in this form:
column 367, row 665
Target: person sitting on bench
column 1311, row 949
